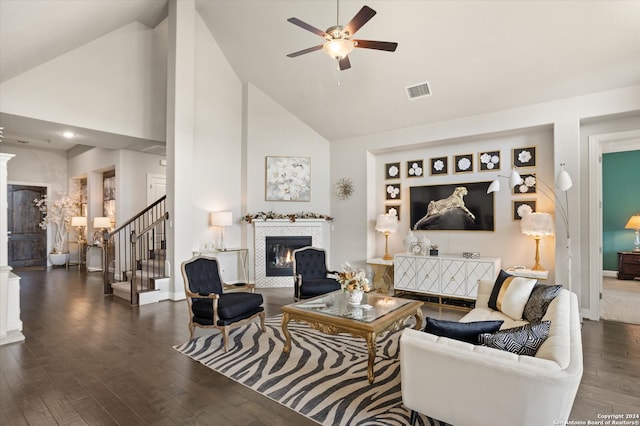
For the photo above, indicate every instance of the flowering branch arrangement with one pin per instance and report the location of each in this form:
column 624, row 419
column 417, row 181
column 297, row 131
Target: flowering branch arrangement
column 291, row 216
column 57, row 212
column 352, row 280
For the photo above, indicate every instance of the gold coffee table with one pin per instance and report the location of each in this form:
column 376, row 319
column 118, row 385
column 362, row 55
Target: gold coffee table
column 331, row 314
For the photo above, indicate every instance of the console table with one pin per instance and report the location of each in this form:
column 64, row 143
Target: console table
column 242, row 255
column 628, row 265
column 445, row 275
column 382, row 274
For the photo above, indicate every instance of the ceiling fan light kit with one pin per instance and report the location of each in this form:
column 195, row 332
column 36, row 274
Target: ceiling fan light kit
column 338, row 48
column 339, row 43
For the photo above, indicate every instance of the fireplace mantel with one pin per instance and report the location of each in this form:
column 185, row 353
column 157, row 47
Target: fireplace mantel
column 281, row 228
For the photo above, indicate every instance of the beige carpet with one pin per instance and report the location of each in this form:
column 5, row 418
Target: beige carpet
column 620, row 300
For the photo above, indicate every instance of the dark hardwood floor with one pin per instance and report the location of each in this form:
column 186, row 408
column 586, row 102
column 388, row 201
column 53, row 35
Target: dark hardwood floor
column 90, row 359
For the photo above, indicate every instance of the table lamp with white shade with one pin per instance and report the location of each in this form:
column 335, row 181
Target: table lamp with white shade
column 634, row 223
column 101, row 224
column 537, row 225
column 221, row 220
column 387, row 223
column 79, row 222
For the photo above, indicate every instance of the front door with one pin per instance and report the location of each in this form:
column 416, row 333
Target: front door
column 27, row 241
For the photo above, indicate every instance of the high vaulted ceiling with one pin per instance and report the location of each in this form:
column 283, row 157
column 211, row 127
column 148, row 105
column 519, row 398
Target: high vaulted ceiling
column 478, row 56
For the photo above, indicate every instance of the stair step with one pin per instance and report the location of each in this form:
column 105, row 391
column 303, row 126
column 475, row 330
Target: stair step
column 121, row 290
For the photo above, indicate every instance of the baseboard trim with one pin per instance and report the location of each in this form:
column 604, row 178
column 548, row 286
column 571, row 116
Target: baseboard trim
column 610, row 274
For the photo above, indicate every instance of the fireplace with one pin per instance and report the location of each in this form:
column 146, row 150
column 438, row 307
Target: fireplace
column 279, row 255
column 279, row 228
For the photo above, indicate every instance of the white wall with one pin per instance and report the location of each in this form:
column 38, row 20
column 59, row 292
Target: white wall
column 38, row 168
column 111, row 84
column 131, row 181
column 217, row 173
column 274, row 131
column 507, row 241
column 354, row 158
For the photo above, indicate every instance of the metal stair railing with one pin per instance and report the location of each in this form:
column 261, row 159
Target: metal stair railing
column 121, row 262
column 139, row 245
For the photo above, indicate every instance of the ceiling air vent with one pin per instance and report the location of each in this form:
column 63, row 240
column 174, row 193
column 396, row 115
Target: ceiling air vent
column 419, row 90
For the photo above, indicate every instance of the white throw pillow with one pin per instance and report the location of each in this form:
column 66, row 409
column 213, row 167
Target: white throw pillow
column 513, row 295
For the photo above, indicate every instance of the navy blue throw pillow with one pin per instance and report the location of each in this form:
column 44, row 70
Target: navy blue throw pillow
column 464, row 331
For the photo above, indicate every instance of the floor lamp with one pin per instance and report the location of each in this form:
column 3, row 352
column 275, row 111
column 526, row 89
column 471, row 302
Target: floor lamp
column 563, row 183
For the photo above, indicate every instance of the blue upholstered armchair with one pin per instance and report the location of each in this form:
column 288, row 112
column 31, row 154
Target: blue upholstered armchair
column 310, row 274
column 210, row 306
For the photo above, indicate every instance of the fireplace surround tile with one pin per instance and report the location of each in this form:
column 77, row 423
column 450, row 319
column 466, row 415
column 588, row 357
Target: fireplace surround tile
column 281, row 227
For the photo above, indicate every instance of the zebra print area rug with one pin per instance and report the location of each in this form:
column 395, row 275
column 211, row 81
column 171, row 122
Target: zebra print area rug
column 323, row 378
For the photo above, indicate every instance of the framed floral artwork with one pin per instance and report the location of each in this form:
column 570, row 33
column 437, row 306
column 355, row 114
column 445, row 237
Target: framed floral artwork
column 392, row 171
column 415, row 169
column 393, row 191
column 520, row 208
column 489, row 161
column 439, row 166
column 528, row 185
column 391, row 208
column 524, row 157
column 288, row 179
column 463, row 163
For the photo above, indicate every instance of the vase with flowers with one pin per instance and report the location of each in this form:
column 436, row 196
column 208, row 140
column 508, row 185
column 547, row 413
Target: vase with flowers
column 57, row 212
column 354, row 282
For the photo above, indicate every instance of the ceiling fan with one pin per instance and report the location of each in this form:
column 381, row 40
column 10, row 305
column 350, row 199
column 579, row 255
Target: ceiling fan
column 339, row 43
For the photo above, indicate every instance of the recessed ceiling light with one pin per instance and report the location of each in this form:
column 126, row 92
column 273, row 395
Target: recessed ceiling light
column 68, row 134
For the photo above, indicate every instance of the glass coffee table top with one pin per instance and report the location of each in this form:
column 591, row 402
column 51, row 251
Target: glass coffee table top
column 373, row 306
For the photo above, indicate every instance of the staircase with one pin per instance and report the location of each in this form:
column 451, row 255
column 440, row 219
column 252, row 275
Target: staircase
column 135, row 257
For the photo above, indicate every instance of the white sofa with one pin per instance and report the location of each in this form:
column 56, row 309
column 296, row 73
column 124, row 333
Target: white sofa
column 471, row 385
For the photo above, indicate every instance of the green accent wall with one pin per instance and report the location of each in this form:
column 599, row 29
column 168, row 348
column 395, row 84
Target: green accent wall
column 620, row 201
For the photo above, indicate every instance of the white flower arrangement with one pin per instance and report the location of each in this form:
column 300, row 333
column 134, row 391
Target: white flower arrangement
column 352, row 280
column 393, row 191
column 464, row 163
column 393, row 171
column 415, row 170
column 58, row 212
column 524, row 209
column 489, row 161
column 524, row 156
column 438, row 165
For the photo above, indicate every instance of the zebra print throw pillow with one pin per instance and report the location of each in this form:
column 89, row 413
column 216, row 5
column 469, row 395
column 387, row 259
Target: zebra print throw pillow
column 523, row 340
column 539, row 301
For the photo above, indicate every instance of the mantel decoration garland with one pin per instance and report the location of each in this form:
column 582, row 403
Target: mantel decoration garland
column 291, row 216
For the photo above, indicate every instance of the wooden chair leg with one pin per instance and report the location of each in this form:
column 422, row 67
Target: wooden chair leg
column 225, row 337
column 191, row 330
column 262, row 322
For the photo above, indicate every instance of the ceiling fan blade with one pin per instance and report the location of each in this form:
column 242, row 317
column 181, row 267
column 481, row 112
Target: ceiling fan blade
column 344, row 63
column 302, row 24
column 302, row 52
column 388, row 46
column 361, row 18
